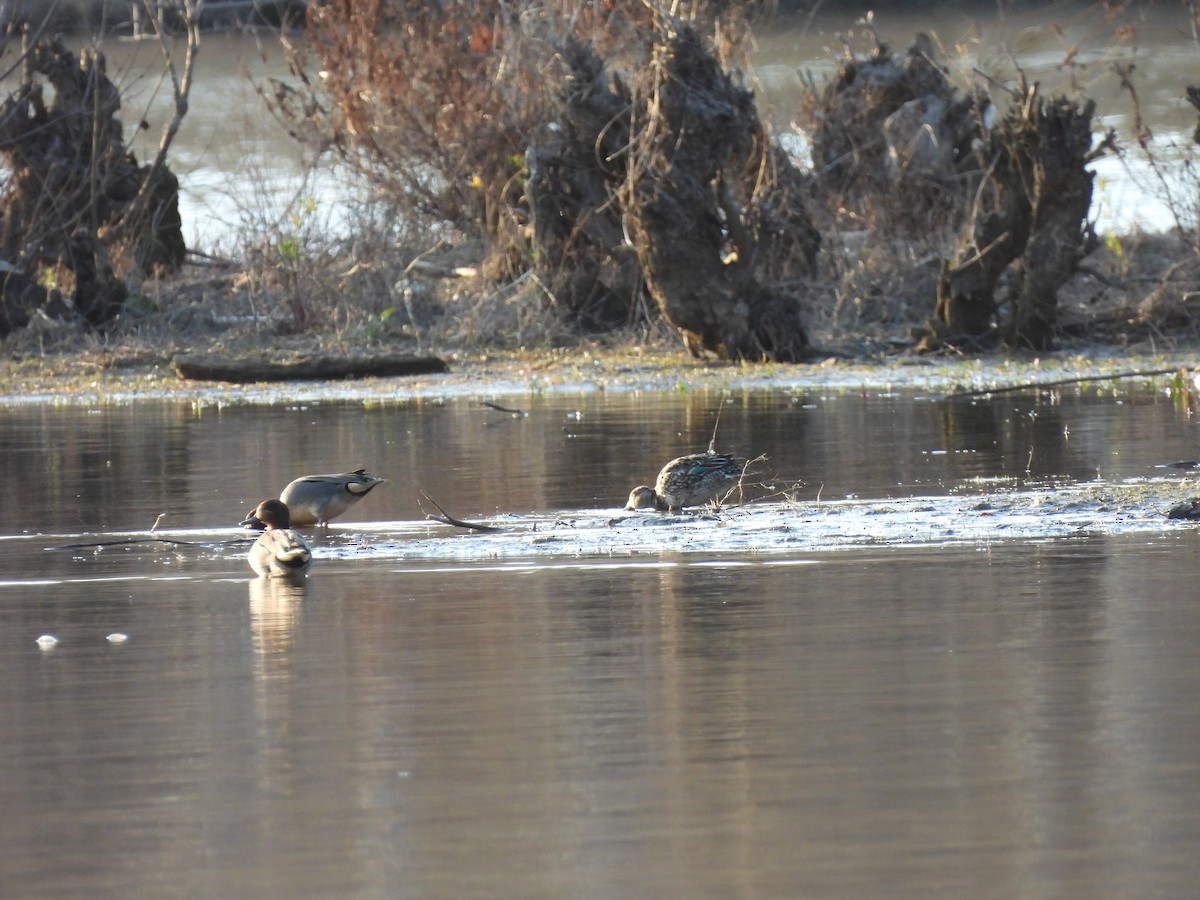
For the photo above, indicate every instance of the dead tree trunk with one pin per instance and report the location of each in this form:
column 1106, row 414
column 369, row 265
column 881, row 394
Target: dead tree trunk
column 72, row 181
column 1031, row 210
column 892, row 141
column 1193, row 97
column 573, row 175
column 696, row 206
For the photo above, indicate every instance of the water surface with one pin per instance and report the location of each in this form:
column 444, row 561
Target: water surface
column 957, row 658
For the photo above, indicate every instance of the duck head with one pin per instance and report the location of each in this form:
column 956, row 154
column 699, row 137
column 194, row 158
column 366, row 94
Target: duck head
column 643, row 497
column 268, row 514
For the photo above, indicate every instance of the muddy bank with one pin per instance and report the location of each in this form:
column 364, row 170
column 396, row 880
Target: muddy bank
column 106, row 378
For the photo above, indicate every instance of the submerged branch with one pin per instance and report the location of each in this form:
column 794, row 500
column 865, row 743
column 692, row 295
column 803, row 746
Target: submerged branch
column 89, row 545
column 511, row 410
column 1059, row 382
column 446, row 519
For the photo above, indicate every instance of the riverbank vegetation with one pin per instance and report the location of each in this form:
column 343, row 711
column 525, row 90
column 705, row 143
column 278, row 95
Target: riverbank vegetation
column 568, row 174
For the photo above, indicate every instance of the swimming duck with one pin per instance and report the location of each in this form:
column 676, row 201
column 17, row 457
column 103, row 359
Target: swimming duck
column 688, row 481
column 279, row 550
column 315, row 499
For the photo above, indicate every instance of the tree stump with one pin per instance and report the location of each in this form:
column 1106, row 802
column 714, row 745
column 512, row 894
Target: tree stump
column 573, row 173
column 1032, row 212
column 698, row 205
column 893, row 138
column 72, row 183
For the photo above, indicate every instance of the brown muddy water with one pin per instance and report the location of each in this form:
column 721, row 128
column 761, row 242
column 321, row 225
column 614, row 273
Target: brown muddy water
column 941, row 649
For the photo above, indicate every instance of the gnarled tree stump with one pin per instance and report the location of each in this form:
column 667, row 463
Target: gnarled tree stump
column 72, row 184
column 573, row 174
column 893, row 139
column 699, row 205
column 1032, row 212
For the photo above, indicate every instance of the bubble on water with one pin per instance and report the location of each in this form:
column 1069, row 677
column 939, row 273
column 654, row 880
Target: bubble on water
column 46, row 641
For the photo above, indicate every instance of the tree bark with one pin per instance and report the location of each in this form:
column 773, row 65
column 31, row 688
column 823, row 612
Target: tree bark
column 574, row 173
column 72, row 182
column 1031, row 214
column 696, row 209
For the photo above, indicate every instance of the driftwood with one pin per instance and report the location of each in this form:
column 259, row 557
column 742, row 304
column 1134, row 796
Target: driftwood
column 511, row 410
column 446, row 519
column 320, row 368
column 1060, row 382
column 127, row 542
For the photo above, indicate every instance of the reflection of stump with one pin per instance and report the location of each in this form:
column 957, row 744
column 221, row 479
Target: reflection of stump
column 72, row 184
column 1032, row 208
column 698, row 213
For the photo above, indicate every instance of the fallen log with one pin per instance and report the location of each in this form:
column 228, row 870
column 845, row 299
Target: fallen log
column 198, row 367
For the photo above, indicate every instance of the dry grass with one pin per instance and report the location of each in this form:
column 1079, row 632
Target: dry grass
column 1136, row 293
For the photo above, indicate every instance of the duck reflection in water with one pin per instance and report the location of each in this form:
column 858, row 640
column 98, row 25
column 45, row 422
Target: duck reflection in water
column 275, row 606
column 689, row 481
column 279, row 551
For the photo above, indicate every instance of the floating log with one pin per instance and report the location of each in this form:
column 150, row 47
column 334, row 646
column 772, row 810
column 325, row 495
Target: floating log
column 310, row 368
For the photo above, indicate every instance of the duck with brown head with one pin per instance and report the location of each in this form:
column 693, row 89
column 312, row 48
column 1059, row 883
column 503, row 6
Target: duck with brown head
column 279, row 551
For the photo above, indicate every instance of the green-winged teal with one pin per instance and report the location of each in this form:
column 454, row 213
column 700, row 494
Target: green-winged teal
column 689, row 481
column 315, row 499
column 279, row 550
column 1188, row 509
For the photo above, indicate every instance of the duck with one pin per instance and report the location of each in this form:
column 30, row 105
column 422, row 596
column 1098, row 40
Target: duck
column 279, row 551
column 688, row 481
column 1188, row 509
column 315, row 499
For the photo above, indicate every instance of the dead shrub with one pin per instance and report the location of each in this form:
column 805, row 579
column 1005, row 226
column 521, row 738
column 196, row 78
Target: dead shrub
column 431, row 103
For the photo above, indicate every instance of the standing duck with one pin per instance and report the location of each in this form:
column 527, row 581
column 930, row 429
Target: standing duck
column 315, row 499
column 279, row 551
column 689, row 481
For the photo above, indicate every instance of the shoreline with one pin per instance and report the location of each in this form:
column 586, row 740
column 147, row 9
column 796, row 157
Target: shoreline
column 50, row 381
